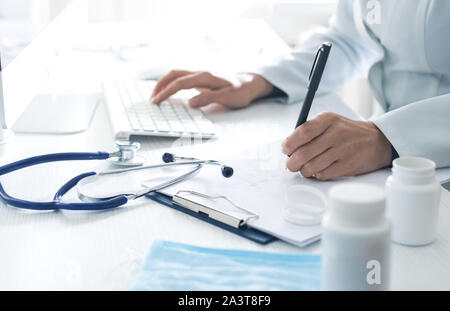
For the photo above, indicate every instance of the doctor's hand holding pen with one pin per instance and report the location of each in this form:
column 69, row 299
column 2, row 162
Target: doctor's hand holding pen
column 326, row 147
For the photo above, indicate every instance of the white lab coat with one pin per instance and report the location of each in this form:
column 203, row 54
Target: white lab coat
column 406, row 57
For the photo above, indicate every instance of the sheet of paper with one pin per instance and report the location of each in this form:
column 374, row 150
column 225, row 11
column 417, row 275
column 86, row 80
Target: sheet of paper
column 260, row 182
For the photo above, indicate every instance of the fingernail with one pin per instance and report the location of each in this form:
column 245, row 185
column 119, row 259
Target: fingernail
column 154, row 100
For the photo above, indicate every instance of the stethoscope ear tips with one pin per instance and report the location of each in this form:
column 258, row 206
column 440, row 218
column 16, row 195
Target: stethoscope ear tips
column 168, row 157
column 227, row 171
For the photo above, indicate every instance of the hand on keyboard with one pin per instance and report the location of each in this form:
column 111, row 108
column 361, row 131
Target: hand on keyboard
column 213, row 89
column 171, row 118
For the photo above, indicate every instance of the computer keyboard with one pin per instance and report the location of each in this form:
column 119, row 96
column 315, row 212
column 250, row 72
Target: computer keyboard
column 171, row 118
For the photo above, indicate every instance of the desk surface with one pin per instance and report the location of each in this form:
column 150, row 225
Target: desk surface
column 104, row 251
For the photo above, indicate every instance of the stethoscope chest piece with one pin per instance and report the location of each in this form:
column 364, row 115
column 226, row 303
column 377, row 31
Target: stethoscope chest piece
column 126, row 155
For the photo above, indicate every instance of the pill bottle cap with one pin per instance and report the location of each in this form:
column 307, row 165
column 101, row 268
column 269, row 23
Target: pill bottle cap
column 356, row 204
column 414, row 170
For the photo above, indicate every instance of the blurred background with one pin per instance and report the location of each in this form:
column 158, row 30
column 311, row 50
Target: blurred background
column 292, row 20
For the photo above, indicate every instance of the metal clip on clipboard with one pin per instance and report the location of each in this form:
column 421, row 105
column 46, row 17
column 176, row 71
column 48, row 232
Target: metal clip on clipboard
column 221, row 216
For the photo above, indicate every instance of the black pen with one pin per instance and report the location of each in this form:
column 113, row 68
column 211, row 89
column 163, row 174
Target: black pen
column 314, row 80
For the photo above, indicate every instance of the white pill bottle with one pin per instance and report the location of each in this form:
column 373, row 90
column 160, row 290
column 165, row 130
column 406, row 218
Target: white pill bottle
column 413, row 196
column 356, row 239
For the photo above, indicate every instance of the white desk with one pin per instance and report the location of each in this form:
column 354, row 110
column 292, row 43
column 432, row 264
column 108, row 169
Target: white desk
column 104, row 251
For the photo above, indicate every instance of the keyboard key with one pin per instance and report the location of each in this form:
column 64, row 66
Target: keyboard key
column 123, row 94
column 177, row 127
column 133, row 92
column 195, row 113
column 191, row 127
column 144, row 90
column 134, row 123
column 162, row 126
column 149, row 126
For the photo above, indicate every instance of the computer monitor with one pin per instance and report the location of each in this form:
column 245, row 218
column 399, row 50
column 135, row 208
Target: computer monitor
column 28, row 48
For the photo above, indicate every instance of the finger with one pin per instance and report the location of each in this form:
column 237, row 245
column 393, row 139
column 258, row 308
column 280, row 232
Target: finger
column 307, row 132
column 201, row 90
column 172, row 75
column 199, row 79
column 337, row 169
column 307, row 152
column 319, row 163
column 223, row 97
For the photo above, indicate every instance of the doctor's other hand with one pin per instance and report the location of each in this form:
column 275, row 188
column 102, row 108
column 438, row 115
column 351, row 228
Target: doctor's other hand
column 331, row 146
column 232, row 93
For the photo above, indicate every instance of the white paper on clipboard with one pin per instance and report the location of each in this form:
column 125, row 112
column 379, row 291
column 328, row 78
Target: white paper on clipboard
column 259, row 184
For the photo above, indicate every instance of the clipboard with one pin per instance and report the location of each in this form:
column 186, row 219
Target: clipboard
column 239, row 227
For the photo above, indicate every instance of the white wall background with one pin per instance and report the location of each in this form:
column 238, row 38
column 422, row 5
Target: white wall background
column 291, row 19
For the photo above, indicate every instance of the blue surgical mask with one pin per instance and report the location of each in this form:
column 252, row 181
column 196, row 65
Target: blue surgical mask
column 175, row 266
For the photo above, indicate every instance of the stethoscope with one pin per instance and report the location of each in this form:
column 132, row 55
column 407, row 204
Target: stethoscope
column 124, row 157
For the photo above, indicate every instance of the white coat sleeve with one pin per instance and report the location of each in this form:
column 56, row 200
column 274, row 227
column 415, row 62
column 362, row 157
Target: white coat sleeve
column 420, row 129
column 350, row 56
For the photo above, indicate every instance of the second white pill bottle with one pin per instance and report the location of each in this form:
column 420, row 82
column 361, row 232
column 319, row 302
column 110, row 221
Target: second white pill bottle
column 356, row 239
column 413, row 201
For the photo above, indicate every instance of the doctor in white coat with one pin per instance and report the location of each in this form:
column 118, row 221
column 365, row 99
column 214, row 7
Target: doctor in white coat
column 402, row 46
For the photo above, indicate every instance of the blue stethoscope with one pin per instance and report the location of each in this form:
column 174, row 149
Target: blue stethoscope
column 125, row 157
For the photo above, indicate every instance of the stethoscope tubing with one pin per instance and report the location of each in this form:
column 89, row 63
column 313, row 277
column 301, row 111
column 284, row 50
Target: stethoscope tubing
column 56, row 203
column 52, row 157
column 94, row 203
column 146, row 190
column 144, row 167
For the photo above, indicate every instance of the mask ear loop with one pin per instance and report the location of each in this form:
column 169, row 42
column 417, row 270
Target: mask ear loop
column 301, row 213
